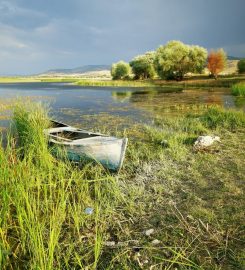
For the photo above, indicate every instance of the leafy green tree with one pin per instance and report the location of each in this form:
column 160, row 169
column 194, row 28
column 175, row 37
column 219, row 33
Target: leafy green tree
column 175, row 59
column 241, row 66
column 120, row 70
column 143, row 66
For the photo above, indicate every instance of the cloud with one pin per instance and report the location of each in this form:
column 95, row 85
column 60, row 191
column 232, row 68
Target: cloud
column 47, row 34
column 14, row 15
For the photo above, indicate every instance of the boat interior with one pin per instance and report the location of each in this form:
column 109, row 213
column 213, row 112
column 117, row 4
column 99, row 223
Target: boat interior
column 56, row 124
column 71, row 135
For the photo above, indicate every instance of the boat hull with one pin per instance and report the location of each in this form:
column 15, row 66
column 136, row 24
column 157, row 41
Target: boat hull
column 110, row 155
column 106, row 150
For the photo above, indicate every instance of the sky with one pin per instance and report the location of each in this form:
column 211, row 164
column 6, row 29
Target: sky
column 38, row 35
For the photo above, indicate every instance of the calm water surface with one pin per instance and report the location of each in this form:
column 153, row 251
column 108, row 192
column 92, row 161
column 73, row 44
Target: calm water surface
column 95, row 106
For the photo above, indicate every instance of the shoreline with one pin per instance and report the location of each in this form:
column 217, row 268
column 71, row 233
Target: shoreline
column 192, row 82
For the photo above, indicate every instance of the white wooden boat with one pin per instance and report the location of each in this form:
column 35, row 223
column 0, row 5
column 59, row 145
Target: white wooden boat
column 81, row 144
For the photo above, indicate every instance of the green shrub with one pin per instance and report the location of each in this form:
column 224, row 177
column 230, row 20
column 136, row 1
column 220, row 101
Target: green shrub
column 238, row 89
column 143, row 66
column 120, row 70
column 241, row 66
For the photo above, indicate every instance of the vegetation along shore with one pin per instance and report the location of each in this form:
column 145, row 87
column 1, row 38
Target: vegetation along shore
column 170, row 207
column 191, row 67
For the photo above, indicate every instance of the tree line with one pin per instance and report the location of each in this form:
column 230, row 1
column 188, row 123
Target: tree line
column 171, row 61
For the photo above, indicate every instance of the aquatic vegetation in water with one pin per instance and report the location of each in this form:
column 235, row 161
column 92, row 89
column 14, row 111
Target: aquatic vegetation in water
column 238, row 89
column 219, row 117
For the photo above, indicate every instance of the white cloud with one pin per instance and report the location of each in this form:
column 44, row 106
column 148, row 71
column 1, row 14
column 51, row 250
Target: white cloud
column 10, row 38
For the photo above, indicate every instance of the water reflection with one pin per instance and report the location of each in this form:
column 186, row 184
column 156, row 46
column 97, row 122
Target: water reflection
column 175, row 102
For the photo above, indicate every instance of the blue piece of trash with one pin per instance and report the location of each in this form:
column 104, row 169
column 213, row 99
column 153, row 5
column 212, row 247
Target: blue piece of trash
column 89, row 211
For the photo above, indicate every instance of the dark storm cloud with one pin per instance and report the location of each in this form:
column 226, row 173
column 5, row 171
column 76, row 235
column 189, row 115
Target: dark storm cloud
column 38, row 35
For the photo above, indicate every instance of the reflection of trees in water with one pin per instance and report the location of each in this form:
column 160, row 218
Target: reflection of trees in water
column 142, row 95
column 213, row 99
column 158, row 102
column 121, row 96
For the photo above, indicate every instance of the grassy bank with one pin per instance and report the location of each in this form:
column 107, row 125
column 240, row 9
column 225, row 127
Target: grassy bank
column 33, row 79
column 238, row 89
column 204, row 81
column 192, row 201
column 115, row 83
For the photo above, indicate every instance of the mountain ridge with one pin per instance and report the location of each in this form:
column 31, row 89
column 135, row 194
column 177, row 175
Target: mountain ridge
column 81, row 69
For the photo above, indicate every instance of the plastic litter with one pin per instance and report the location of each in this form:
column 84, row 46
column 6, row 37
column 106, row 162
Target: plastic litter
column 89, row 210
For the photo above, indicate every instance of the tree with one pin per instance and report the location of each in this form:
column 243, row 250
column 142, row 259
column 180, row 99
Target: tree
column 241, row 66
column 216, row 62
column 120, row 70
column 143, row 66
column 175, row 59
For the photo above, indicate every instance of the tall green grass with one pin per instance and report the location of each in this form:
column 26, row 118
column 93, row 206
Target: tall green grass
column 216, row 117
column 238, row 89
column 29, row 123
column 43, row 221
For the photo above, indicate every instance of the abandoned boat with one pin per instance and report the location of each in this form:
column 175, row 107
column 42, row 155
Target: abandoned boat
column 81, row 144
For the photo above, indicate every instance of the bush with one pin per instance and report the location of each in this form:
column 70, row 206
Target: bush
column 120, row 70
column 241, row 66
column 216, row 62
column 238, row 89
column 143, row 66
column 175, row 59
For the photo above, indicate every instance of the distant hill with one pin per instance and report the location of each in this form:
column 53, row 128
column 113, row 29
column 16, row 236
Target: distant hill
column 229, row 57
column 78, row 70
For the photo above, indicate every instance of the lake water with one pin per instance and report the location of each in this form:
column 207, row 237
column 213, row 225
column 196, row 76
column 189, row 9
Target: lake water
column 92, row 107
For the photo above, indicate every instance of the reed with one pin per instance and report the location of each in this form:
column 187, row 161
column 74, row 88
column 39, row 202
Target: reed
column 43, row 201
